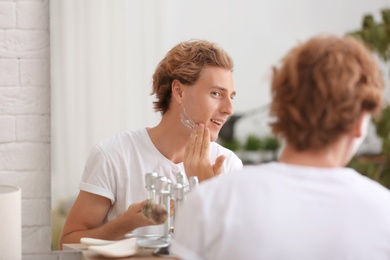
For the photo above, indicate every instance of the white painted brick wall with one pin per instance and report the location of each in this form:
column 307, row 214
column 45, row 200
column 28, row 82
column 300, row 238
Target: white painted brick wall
column 7, row 15
column 8, row 131
column 25, row 119
column 9, row 70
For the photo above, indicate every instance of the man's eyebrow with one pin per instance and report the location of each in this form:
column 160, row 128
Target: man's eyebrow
column 222, row 89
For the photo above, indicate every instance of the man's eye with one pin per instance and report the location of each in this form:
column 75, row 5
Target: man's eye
column 216, row 93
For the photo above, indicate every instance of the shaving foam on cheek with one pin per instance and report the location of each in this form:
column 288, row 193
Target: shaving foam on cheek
column 186, row 120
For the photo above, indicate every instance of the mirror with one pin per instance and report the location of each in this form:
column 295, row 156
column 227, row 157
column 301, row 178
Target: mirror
column 103, row 54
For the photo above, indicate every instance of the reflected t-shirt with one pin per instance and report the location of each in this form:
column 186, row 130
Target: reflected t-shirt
column 116, row 167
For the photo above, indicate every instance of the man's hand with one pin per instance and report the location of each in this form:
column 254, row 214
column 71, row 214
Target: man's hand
column 86, row 219
column 196, row 157
column 136, row 216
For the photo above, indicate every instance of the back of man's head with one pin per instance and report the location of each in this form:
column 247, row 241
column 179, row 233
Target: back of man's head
column 321, row 88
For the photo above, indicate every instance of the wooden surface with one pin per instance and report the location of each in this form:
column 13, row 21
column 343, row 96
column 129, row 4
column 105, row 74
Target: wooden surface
column 142, row 254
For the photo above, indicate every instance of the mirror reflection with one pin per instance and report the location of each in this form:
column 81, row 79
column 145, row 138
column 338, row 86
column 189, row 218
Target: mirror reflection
column 105, row 52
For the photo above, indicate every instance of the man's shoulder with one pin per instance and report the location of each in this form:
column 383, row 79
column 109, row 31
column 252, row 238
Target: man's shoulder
column 123, row 137
column 216, row 148
column 367, row 187
column 121, row 141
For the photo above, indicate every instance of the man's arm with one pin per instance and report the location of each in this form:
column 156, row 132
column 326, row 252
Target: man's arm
column 86, row 219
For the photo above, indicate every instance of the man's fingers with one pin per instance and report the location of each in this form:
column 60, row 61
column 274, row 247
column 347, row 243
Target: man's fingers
column 205, row 143
column 137, row 207
column 199, row 140
column 217, row 167
column 189, row 151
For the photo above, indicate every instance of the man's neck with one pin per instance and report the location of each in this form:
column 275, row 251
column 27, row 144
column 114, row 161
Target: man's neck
column 327, row 157
column 170, row 138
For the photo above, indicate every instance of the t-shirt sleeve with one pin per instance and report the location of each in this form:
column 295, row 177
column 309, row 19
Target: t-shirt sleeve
column 98, row 177
column 232, row 163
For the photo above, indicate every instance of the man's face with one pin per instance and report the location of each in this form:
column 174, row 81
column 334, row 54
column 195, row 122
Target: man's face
column 209, row 100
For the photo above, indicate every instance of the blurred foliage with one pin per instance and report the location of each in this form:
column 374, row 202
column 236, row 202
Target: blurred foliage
column 376, row 34
column 253, row 143
column 383, row 131
column 367, row 168
column 233, row 144
column 255, row 149
column 373, row 167
column 377, row 37
column 270, row 143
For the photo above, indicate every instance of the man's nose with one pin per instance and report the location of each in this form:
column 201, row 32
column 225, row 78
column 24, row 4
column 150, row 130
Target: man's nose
column 227, row 107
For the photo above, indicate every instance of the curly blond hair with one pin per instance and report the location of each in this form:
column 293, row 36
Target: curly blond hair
column 321, row 89
column 185, row 63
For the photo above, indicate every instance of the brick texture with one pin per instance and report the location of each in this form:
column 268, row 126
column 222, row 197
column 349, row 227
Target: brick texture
column 25, row 119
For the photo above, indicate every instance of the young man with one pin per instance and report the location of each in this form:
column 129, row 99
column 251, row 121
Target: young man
column 307, row 205
column 194, row 88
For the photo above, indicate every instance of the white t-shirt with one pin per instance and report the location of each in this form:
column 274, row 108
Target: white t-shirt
column 281, row 211
column 116, row 167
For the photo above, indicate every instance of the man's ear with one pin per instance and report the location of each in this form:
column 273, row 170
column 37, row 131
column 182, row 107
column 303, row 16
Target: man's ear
column 361, row 124
column 357, row 130
column 177, row 90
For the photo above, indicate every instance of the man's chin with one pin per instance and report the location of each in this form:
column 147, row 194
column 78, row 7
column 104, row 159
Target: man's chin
column 213, row 137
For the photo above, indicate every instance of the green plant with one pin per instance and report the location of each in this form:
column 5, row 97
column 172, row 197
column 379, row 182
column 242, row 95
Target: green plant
column 232, row 144
column 377, row 36
column 383, row 131
column 270, row 143
column 253, row 143
column 368, row 168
